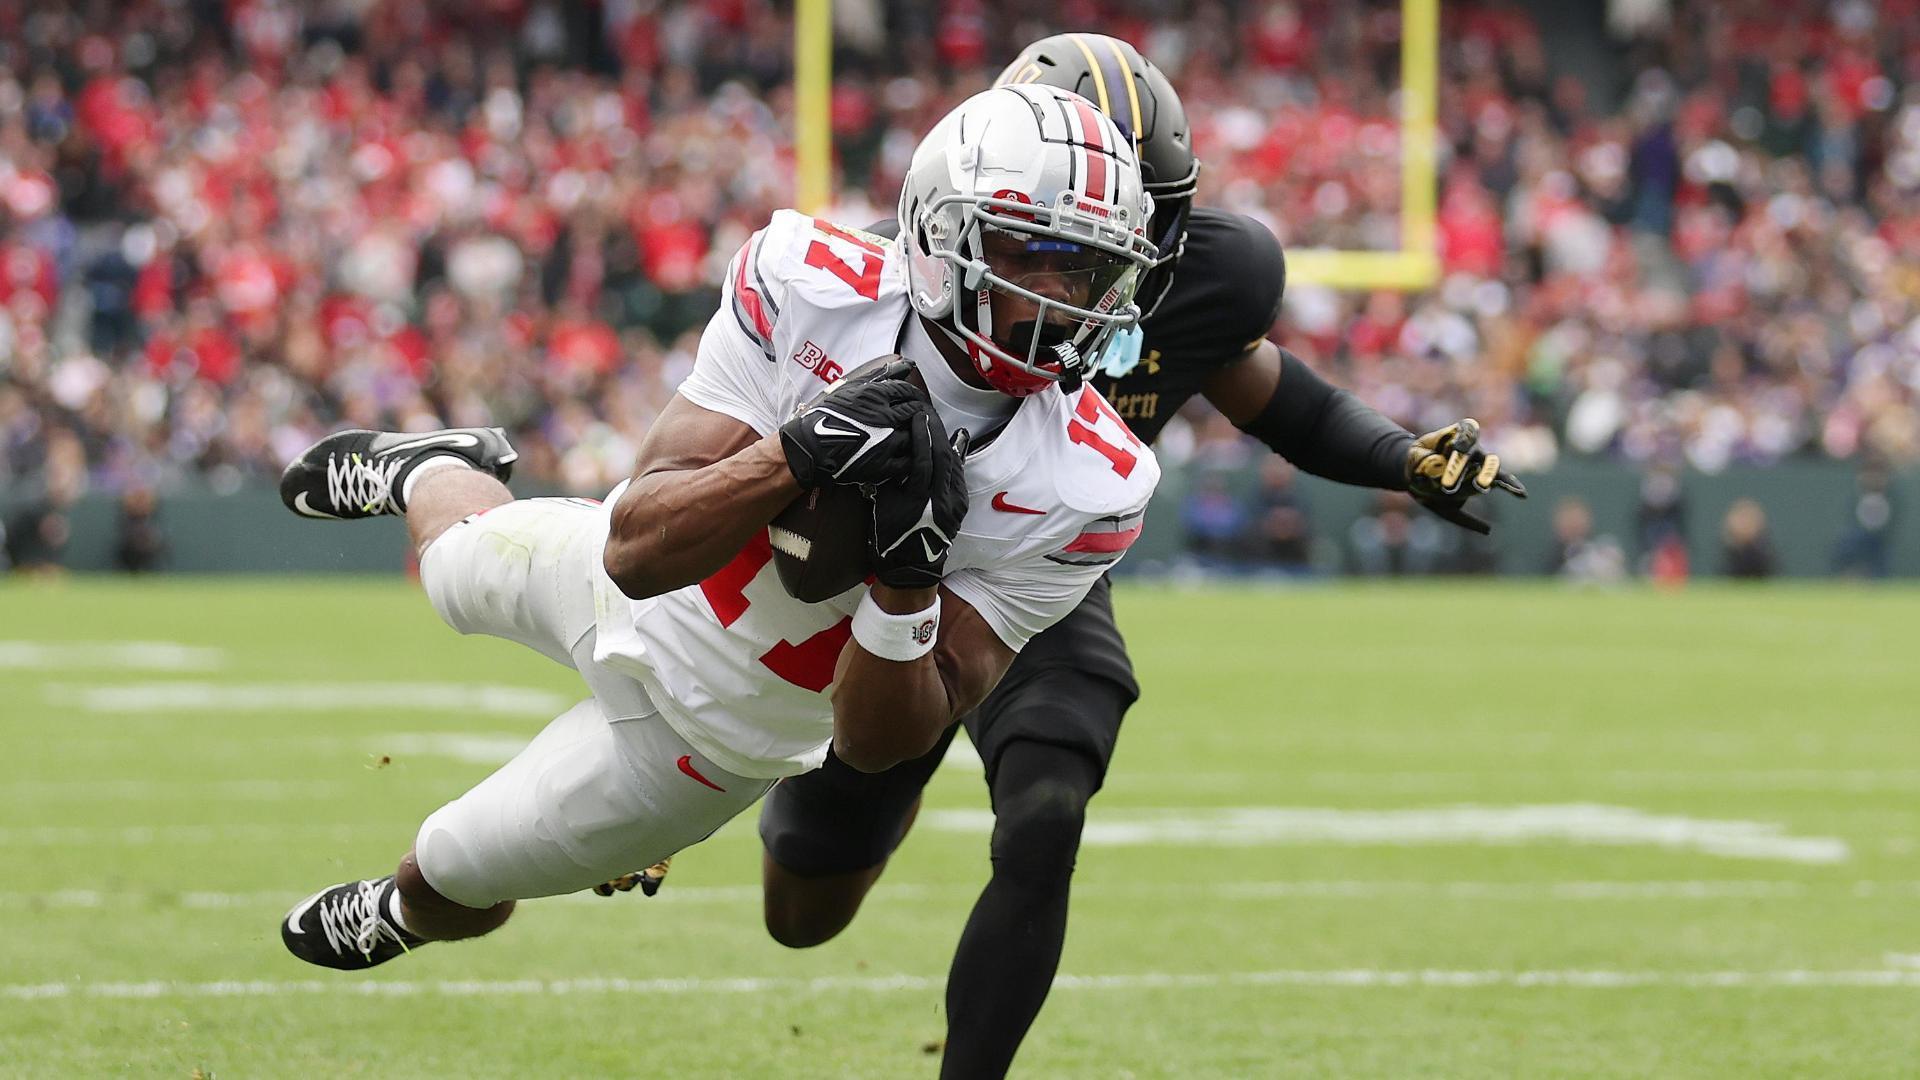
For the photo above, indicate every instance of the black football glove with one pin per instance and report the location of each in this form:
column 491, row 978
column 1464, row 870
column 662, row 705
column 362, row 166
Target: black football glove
column 859, row 432
column 916, row 518
column 1446, row 468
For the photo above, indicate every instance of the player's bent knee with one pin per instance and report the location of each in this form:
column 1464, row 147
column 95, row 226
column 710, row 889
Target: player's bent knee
column 1047, row 812
column 475, row 571
column 439, row 578
column 802, row 912
column 434, row 916
column 451, row 869
column 804, row 929
column 1036, row 834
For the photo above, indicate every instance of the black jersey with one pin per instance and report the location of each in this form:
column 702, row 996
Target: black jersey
column 1071, row 686
column 1225, row 297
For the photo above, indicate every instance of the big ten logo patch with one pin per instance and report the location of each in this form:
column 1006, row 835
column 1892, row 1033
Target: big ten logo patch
column 814, row 359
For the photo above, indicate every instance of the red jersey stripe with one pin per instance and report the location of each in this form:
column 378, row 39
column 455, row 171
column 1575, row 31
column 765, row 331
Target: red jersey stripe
column 1104, row 541
column 749, row 298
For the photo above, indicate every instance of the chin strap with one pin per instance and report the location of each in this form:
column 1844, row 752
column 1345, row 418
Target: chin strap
column 1072, row 366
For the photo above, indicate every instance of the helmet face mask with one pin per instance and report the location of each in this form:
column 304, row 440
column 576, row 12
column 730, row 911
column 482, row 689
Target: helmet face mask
column 1026, row 245
column 1173, row 204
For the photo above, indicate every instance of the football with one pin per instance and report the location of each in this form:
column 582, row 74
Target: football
column 820, row 539
column 820, row 542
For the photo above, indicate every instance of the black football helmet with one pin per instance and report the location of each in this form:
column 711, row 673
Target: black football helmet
column 1143, row 105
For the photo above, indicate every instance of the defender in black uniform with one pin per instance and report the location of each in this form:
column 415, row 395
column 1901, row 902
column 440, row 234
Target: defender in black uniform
column 1047, row 732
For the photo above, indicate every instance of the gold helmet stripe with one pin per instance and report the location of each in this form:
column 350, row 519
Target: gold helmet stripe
column 1133, row 94
column 1099, row 79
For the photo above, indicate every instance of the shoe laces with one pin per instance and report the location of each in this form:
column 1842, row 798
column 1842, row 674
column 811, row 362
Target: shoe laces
column 353, row 918
column 360, row 483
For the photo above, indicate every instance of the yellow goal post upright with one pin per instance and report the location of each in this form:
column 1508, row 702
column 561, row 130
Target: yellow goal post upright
column 813, row 105
column 1415, row 266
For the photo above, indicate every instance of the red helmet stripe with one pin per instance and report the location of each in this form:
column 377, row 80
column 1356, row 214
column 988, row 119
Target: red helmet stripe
column 1096, row 145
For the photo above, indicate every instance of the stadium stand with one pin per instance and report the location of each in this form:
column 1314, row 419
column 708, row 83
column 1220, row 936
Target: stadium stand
column 226, row 227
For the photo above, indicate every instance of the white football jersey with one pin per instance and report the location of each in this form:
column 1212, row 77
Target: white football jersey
column 743, row 671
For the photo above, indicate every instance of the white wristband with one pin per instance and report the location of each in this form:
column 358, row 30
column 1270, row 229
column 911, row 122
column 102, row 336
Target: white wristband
column 896, row 637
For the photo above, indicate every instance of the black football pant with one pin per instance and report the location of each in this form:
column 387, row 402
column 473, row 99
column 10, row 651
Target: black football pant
column 1045, row 735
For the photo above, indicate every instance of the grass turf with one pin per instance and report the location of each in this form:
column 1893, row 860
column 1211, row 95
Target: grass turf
column 149, row 854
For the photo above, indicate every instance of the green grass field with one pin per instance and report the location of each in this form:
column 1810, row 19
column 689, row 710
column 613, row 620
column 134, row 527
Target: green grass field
column 1545, row 833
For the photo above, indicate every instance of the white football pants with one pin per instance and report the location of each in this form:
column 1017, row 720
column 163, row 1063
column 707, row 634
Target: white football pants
column 608, row 787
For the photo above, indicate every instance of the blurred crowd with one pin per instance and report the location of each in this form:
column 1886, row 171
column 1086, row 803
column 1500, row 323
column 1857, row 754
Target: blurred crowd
column 1261, row 523
column 228, row 226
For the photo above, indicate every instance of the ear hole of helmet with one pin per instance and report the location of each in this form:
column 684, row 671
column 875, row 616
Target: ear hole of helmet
column 932, row 275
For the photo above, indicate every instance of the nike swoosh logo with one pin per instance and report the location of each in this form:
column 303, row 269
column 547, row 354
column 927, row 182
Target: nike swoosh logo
column 927, row 546
column 821, row 427
column 300, row 909
column 302, row 506
column 1001, row 504
column 875, row 436
column 448, row 438
column 686, row 766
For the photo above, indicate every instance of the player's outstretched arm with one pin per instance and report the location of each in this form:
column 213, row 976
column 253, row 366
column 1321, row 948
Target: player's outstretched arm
column 1272, row 395
column 704, row 484
column 889, row 711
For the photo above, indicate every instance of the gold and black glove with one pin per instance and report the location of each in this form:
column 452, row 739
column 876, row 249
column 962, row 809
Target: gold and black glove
column 649, row 880
column 1447, row 468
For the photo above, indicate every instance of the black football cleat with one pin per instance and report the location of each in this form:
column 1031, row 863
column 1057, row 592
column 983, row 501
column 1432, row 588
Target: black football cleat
column 349, row 927
column 360, row 473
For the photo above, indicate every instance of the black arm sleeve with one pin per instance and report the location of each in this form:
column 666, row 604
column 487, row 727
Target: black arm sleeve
column 1328, row 432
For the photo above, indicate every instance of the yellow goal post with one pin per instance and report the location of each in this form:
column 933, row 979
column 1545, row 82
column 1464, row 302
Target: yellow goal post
column 1416, row 265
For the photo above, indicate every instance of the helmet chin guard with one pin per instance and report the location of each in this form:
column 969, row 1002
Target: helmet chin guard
column 1057, row 188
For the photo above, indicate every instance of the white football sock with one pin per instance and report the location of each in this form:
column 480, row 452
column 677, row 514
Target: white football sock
column 424, row 466
column 393, row 910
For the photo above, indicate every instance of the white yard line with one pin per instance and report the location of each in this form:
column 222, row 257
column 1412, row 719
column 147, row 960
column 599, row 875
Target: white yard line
column 45, row 790
column 1508, row 891
column 307, row 697
column 1354, row 978
column 472, row 748
column 1444, row 781
column 1245, row 826
column 1572, row 823
column 109, row 656
column 87, row 836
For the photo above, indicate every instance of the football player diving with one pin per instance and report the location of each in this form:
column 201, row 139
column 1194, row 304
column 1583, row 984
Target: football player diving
column 707, row 681
column 1047, row 732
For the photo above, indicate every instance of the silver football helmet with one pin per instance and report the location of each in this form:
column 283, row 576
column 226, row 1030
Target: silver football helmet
column 1029, row 191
